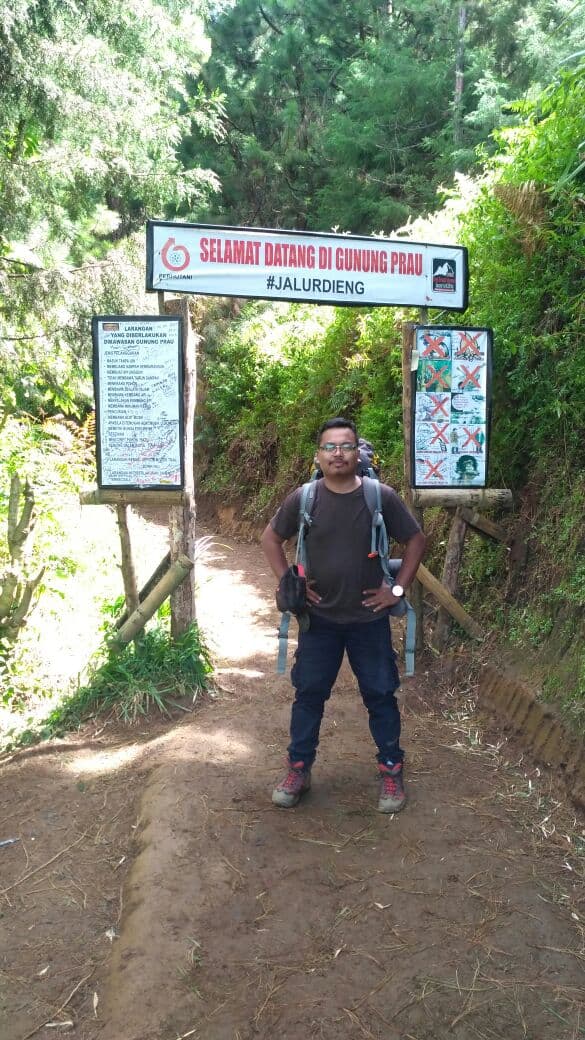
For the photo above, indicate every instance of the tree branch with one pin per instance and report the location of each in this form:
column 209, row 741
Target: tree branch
column 269, row 22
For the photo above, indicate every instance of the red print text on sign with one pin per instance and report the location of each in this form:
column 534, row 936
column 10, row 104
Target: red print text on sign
column 406, row 263
column 229, row 251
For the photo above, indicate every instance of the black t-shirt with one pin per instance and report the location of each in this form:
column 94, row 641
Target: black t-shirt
column 338, row 542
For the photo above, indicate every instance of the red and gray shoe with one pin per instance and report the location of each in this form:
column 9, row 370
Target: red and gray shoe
column 392, row 794
column 292, row 786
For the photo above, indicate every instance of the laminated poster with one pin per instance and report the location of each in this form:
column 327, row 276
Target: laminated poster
column 451, row 404
column 139, row 401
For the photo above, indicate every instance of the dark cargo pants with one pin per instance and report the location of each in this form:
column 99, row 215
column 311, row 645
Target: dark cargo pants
column 317, row 663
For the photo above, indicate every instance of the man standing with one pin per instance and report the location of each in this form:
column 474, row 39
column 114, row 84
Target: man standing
column 348, row 603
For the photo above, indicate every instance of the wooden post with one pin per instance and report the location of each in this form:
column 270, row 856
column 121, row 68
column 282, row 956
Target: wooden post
column 478, row 498
column 453, row 557
column 135, row 497
column 182, row 517
column 174, row 577
column 416, row 595
column 146, row 588
column 484, row 526
column 448, row 601
column 128, row 572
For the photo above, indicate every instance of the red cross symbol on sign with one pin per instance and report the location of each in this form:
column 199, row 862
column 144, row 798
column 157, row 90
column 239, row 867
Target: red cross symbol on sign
column 435, row 345
column 472, row 438
column 470, row 377
column 440, row 432
column 435, row 375
column 440, row 406
column 434, row 469
column 468, row 344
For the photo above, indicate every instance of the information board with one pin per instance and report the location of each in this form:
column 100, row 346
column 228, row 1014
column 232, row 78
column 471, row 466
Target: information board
column 137, row 370
column 451, row 395
column 346, row 270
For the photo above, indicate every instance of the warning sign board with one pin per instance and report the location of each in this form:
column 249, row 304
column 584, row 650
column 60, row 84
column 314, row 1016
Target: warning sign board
column 451, row 373
column 137, row 368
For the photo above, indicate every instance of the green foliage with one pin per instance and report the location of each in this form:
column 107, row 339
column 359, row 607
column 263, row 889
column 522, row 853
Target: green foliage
column 529, row 626
column 350, row 115
column 485, row 568
column 283, row 370
column 527, row 245
column 45, row 319
column 93, row 103
column 51, row 457
column 149, row 674
column 37, row 452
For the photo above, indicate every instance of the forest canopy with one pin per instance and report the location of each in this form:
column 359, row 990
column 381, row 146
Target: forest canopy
column 351, row 115
column 280, row 113
column 447, row 122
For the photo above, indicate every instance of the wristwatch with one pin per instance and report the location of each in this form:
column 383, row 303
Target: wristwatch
column 397, row 590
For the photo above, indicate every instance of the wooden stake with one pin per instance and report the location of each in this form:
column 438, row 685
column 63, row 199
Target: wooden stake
column 448, row 601
column 176, row 574
column 182, row 517
column 416, row 595
column 128, row 572
column 485, row 526
column 453, row 558
column 146, row 588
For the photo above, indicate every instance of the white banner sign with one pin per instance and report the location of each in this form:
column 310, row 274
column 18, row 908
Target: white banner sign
column 317, row 268
column 137, row 371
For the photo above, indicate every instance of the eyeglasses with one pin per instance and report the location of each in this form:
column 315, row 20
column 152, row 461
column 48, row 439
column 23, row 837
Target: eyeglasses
column 331, row 448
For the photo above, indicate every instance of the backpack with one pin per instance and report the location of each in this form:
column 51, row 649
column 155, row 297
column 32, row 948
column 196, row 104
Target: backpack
column 368, row 470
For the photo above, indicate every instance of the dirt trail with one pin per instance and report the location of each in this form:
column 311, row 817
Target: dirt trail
column 190, row 907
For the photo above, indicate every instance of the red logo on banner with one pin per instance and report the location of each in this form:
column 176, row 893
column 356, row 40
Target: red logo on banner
column 175, row 258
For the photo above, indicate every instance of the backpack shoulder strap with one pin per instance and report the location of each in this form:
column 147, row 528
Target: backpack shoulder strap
column 379, row 547
column 306, row 505
column 379, row 539
column 372, row 494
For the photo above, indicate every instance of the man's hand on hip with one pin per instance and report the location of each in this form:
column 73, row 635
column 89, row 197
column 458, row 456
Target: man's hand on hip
column 380, row 598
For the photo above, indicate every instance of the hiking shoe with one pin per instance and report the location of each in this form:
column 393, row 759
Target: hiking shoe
column 292, row 786
column 392, row 793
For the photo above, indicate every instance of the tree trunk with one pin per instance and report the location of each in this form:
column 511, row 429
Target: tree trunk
column 459, row 74
column 16, row 589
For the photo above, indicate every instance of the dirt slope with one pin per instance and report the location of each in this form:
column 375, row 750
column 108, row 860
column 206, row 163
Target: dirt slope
column 154, row 893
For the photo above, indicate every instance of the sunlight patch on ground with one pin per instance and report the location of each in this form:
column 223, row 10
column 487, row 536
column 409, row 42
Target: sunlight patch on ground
column 219, row 746
column 106, row 761
column 246, row 673
column 235, row 619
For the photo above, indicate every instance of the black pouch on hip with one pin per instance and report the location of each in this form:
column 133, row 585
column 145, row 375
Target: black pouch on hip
column 291, row 594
